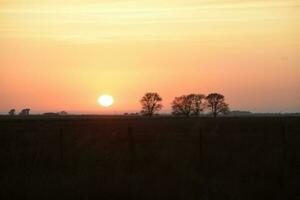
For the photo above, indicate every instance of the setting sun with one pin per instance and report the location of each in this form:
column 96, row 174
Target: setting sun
column 115, row 98
column 63, row 56
column 105, row 100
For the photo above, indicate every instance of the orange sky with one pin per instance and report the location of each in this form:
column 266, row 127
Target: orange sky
column 61, row 55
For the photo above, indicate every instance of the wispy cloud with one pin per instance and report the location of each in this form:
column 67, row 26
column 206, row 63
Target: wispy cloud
column 148, row 20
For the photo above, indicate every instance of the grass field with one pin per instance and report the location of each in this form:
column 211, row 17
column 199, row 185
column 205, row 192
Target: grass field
column 148, row 159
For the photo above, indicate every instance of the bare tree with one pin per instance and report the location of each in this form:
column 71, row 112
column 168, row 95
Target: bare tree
column 151, row 104
column 187, row 105
column 182, row 106
column 24, row 112
column 216, row 104
column 12, row 112
column 197, row 103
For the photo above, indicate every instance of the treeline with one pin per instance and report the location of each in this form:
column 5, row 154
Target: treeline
column 186, row 105
column 25, row 112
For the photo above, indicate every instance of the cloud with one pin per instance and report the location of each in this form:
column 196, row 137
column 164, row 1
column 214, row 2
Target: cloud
column 148, row 20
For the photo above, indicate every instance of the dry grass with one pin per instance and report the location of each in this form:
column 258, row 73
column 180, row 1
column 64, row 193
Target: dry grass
column 160, row 158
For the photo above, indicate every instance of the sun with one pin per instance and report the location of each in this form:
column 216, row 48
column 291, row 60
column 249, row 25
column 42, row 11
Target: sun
column 105, row 100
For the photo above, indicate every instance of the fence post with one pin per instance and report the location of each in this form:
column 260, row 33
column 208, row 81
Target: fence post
column 61, row 157
column 284, row 157
column 131, row 148
column 61, row 146
column 131, row 157
column 200, row 148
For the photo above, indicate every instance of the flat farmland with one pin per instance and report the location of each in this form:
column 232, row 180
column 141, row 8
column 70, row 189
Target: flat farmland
column 141, row 158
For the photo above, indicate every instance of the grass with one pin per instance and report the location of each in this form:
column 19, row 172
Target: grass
column 159, row 158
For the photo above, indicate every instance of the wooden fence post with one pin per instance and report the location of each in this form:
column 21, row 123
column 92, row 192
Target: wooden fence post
column 283, row 158
column 131, row 150
column 61, row 146
column 200, row 148
column 61, row 157
column 131, row 157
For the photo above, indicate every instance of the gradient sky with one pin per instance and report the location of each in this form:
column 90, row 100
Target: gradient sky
column 61, row 55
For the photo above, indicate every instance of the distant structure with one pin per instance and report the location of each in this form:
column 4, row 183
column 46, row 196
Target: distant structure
column 50, row 114
column 54, row 114
column 131, row 114
column 62, row 113
column 12, row 112
column 240, row 113
column 24, row 112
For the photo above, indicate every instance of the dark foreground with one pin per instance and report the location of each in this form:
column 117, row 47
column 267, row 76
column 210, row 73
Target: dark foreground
column 161, row 158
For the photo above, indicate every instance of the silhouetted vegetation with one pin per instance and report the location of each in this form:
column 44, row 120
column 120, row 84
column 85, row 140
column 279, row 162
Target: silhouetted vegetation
column 151, row 104
column 216, row 104
column 24, row 112
column 12, row 112
column 53, row 114
column 187, row 105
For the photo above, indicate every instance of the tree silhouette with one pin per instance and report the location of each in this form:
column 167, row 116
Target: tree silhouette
column 150, row 103
column 216, row 104
column 12, row 112
column 181, row 106
column 197, row 103
column 188, row 105
column 24, row 112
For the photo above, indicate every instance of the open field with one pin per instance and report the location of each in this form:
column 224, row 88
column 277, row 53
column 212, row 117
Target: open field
column 160, row 158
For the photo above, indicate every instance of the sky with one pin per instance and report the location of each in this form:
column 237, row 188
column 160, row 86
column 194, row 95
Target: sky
column 63, row 54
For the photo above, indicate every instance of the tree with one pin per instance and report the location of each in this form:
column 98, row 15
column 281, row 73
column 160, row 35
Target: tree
column 197, row 103
column 216, row 104
column 181, row 106
column 12, row 112
column 188, row 105
column 150, row 104
column 24, row 112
